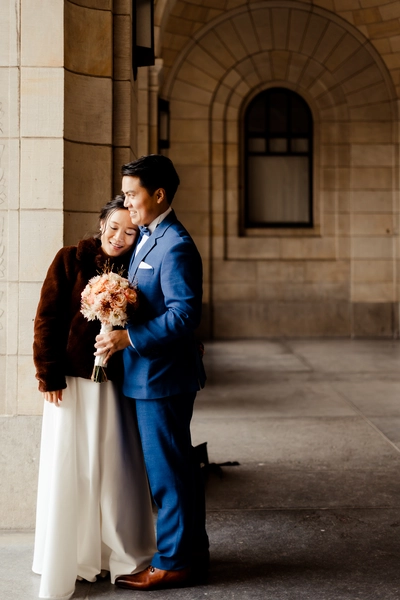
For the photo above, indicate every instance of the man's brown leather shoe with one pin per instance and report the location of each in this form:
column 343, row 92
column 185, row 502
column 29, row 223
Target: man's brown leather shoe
column 154, row 579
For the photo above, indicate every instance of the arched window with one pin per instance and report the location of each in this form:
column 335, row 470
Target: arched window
column 278, row 160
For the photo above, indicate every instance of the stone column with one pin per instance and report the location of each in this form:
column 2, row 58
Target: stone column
column 125, row 92
column 56, row 162
column 88, row 114
column 31, row 226
column 155, row 83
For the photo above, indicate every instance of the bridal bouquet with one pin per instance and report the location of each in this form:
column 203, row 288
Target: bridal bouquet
column 108, row 298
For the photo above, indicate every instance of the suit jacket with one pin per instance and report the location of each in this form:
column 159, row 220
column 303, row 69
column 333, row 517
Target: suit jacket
column 168, row 272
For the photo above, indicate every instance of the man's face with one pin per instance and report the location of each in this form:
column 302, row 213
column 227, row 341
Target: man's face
column 143, row 208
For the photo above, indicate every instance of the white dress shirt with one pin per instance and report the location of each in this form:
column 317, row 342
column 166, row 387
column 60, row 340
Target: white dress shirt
column 152, row 227
column 145, row 237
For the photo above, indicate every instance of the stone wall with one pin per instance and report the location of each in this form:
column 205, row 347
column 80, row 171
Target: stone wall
column 68, row 120
column 340, row 278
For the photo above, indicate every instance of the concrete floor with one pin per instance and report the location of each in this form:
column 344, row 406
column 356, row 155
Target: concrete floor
column 313, row 509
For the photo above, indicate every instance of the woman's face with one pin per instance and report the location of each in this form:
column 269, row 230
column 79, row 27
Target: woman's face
column 117, row 233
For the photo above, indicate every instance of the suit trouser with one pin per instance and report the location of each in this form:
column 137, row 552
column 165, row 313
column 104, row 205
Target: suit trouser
column 174, row 477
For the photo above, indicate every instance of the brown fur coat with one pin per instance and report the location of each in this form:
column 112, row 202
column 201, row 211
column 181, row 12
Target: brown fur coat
column 63, row 338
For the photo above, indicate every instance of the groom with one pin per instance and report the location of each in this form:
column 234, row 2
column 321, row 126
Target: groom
column 160, row 362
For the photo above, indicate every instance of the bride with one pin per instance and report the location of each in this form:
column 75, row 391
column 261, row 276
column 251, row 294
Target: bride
column 94, row 512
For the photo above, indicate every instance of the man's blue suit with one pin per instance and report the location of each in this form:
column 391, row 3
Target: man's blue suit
column 161, row 374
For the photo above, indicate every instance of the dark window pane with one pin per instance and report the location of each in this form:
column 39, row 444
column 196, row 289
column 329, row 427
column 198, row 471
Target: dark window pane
column 300, row 115
column 256, row 115
column 299, row 145
column 278, row 145
column 278, row 112
column 257, row 145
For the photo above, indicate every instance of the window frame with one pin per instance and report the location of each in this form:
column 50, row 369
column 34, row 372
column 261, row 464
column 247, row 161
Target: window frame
column 289, row 135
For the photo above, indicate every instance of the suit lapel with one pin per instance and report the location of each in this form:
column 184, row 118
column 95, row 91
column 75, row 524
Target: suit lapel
column 151, row 242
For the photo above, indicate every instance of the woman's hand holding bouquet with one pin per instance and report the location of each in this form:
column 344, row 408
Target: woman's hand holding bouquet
column 109, row 298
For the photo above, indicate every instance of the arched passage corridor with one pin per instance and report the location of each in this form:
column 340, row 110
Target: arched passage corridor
column 327, row 280
column 314, row 424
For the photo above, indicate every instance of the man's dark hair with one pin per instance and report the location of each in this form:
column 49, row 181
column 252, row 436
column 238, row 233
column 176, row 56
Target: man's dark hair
column 154, row 171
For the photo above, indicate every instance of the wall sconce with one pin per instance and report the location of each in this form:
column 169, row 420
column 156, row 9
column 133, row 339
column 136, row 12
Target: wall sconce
column 163, row 124
column 142, row 34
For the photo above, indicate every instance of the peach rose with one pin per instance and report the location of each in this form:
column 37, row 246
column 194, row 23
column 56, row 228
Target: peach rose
column 131, row 295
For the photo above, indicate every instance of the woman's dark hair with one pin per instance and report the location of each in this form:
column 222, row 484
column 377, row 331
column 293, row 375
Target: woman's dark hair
column 108, row 209
column 154, row 171
column 112, row 205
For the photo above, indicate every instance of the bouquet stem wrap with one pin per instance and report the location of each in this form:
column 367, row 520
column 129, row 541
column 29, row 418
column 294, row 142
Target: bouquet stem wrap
column 99, row 374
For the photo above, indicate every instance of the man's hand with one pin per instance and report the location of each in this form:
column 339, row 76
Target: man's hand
column 53, row 397
column 109, row 343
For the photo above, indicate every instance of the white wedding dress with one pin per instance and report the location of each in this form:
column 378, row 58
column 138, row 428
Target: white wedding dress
column 93, row 510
